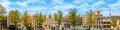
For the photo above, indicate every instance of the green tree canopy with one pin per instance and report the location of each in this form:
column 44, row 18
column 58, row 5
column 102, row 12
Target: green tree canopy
column 114, row 22
column 74, row 19
column 91, row 20
column 25, row 18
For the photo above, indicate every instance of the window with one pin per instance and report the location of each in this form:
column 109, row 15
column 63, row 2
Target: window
column 98, row 22
column 101, row 18
column 98, row 26
column 106, row 26
column 108, row 17
column 106, row 23
column 98, row 18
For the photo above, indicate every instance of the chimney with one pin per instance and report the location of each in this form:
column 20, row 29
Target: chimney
column 110, row 15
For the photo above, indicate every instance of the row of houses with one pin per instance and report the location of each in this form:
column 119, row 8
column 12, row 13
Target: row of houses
column 101, row 23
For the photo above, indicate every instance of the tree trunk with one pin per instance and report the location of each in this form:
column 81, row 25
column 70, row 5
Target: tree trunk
column 15, row 26
column 1, row 26
column 88, row 28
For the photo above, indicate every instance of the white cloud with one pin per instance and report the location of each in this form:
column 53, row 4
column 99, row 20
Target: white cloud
column 115, row 13
column 6, row 4
column 90, row 0
column 96, row 5
column 84, row 7
column 115, row 6
column 64, row 7
column 78, row 1
column 57, row 2
column 36, row 8
column 54, row 11
column 60, row 5
column 22, row 4
column 106, row 11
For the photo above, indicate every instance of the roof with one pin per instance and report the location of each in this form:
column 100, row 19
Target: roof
column 118, row 17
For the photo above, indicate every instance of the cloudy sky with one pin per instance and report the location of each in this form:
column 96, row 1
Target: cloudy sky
column 52, row 6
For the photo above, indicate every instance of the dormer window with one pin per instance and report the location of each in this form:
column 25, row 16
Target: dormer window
column 106, row 18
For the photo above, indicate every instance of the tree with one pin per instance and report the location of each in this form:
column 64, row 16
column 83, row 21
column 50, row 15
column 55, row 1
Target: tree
column 27, row 20
column 114, row 22
column 35, row 17
column 55, row 16
column 15, row 17
column 91, row 20
column 73, row 17
column 2, row 14
column 60, row 18
column 24, row 18
column 41, row 19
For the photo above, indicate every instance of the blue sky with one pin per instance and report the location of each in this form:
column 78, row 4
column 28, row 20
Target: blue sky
column 52, row 6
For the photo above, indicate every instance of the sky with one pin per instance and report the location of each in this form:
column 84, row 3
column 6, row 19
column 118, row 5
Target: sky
column 52, row 6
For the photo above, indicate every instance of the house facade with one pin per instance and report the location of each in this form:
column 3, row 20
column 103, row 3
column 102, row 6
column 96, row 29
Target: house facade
column 102, row 22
